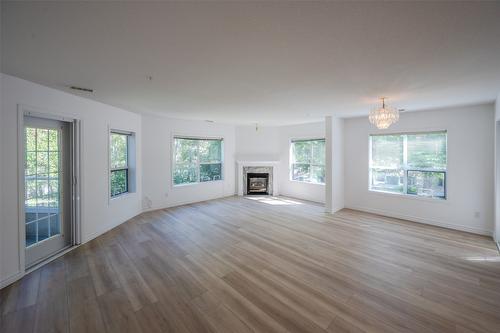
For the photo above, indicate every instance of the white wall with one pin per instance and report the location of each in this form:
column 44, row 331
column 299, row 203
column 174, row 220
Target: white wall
column 98, row 213
column 273, row 144
column 470, row 169
column 158, row 190
column 262, row 144
column 496, row 235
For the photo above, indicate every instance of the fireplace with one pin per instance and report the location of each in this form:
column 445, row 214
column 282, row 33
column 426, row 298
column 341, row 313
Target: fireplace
column 265, row 174
column 258, row 183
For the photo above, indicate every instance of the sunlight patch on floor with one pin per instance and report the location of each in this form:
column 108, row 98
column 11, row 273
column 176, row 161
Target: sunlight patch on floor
column 483, row 259
column 274, row 200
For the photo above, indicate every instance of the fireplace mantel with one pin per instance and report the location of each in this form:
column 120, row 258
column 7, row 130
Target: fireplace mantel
column 242, row 163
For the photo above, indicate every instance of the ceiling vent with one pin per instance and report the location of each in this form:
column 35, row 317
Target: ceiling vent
column 82, row 89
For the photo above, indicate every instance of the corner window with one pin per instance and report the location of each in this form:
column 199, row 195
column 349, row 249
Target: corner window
column 307, row 161
column 410, row 164
column 197, row 160
column 120, row 157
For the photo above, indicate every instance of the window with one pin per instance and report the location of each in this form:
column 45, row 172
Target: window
column 307, row 161
column 412, row 164
column 197, row 160
column 119, row 156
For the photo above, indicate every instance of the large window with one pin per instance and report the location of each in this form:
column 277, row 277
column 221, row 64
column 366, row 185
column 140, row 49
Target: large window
column 412, row 164
column 119, row 157
column 307, row 161
column 197, row 160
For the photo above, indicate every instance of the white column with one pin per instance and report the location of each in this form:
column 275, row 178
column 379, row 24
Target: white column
column 334, row 159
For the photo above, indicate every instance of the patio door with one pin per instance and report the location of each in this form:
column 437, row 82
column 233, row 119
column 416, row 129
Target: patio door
column 47, row 188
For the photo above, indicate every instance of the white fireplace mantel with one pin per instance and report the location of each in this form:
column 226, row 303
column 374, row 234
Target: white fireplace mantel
column 239, row 172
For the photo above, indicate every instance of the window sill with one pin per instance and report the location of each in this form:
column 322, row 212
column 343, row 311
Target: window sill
column 197, row 183
column 409, row 197
column 121, row 196
column 304, row 182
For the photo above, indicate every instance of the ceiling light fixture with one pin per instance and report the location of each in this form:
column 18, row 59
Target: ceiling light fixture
column 385, row 116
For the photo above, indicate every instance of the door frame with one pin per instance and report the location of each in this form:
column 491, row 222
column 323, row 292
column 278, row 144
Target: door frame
column 75, row 161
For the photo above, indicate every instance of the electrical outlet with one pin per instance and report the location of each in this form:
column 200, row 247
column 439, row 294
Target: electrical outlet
column 477, row 215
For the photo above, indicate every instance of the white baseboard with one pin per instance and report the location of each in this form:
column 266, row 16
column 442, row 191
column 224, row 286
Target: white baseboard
column 108, row 227
column 301, row 197
column 186, row 202
column 437, row 223
column 11, row 279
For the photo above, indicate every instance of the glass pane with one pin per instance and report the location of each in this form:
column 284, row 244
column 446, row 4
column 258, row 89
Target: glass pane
column 42, row 190
column 387, row 180
column 30, row 217
column 300, row 172
column 53, row 140
column 30, row 192
column 427, row 150
column 210, row 172
column 387, row 151
column 55, row 227
column 427, row 184
column 186, row 151
column 53, row 183
column 301, row 152
column 185, row 174
column 30, row 139
column 318, row 152
column 42, row 162
column 210, row 151
column 118, row 151
column 31, row 233
column 30, row 167
column 53, row 162
column 318, row 174
column 43, row 215
column 42, row 143
column 119, row 182
column 53, row 200
column 43, row 229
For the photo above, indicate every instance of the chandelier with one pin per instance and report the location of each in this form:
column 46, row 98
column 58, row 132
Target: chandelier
column 385, row 116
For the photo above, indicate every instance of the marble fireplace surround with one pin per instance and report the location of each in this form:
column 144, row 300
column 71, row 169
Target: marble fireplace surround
column 245, row 167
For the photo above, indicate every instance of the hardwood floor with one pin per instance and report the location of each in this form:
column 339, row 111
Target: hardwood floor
column 263, row 265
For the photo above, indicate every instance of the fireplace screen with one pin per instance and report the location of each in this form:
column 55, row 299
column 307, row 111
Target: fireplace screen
column 257, row 183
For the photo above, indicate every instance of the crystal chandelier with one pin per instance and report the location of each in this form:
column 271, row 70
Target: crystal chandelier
column 385, row 116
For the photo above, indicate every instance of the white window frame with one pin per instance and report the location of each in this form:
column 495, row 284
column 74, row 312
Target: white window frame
column 130, row 167
column 407, row 169
column 291, row 158
column 198, row 163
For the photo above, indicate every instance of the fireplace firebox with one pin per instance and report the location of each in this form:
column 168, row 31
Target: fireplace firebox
column 258, row 183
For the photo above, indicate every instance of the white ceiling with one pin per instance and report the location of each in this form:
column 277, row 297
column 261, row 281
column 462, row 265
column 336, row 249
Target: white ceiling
column 266, row 62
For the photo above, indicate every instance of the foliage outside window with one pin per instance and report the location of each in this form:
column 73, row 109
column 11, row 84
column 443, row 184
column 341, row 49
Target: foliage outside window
column 119, row 163
column 197, row 160
column 308, row 161
column 412, row 164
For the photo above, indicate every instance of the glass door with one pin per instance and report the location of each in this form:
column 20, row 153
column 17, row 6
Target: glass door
column 46, row 188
